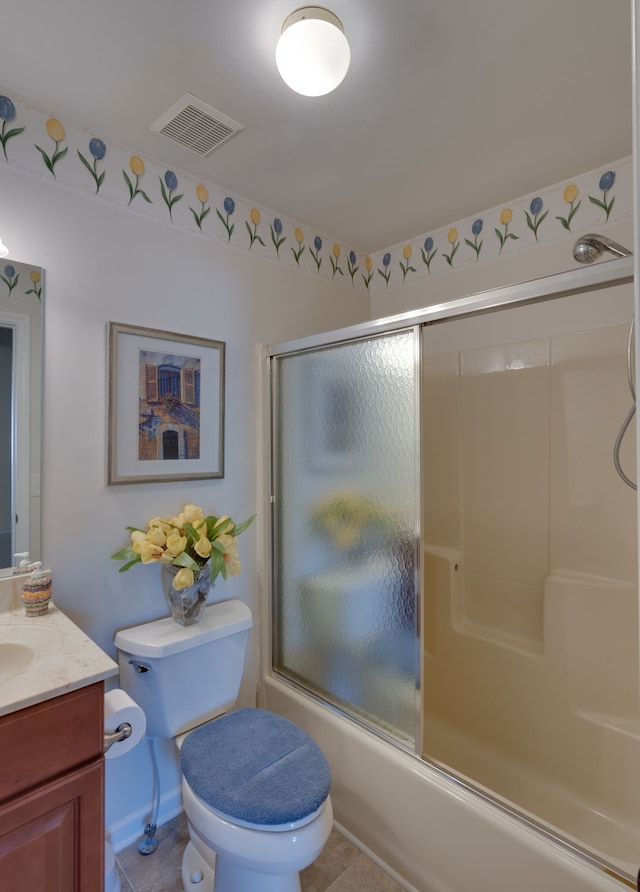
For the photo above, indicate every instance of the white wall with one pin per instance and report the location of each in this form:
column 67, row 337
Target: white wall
column 103, row 264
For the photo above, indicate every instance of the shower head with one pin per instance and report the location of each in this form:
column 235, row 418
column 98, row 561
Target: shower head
column 591, row 247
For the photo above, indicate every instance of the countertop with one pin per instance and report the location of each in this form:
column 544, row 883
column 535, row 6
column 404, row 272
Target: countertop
column 64, row 658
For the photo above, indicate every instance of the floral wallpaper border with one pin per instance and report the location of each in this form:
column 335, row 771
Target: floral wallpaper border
column 39, row 144
column 592, row 200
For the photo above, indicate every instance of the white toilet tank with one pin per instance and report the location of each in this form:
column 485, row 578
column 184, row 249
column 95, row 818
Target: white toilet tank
column 183, row 676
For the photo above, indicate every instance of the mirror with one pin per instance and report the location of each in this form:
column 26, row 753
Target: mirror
column 20, row 409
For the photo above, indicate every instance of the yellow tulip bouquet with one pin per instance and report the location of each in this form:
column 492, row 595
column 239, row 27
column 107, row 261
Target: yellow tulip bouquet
column 188, row 540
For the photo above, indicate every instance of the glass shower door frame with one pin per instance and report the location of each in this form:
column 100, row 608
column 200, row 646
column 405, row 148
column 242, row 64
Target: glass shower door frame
column 352, row 336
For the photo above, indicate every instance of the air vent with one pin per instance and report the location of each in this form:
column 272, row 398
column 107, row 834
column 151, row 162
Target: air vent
column 196, row 125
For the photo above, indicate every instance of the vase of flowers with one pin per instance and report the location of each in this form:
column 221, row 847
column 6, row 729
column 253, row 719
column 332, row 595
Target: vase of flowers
column 193, row 550
column 187, row 604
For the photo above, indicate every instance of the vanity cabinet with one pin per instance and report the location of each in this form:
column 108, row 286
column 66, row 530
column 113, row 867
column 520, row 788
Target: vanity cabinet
column 52, row 795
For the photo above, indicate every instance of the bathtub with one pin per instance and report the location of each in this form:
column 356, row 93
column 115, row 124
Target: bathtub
column 430, row 832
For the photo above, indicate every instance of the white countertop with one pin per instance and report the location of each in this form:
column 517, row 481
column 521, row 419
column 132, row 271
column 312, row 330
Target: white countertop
column 64, row 658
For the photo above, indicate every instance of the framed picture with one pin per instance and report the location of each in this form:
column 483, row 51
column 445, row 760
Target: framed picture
column 166, row 406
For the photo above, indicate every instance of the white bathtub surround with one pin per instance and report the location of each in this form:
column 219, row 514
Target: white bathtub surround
column 530, row 566
column 561, row 735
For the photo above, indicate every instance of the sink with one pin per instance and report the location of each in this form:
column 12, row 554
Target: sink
column 26, row 646
column 44, row 656
column 14, row 658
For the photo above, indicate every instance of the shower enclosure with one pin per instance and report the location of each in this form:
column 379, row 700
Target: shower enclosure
column 455, row 557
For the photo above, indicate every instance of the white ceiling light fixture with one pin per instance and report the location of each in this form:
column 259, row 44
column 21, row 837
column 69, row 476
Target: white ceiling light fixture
column 4, row 251
column 313, row 53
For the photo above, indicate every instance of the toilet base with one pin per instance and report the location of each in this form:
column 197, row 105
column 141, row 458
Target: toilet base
column 231, row 877
column 228, row 876
column 196, row 874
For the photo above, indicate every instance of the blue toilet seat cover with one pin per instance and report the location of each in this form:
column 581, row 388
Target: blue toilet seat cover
column 257, row 767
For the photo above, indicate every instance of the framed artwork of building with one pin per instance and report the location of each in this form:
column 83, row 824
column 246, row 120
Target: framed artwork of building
column 165, row 406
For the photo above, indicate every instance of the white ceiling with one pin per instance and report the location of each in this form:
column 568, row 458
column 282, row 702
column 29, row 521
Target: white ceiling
column 450, row 107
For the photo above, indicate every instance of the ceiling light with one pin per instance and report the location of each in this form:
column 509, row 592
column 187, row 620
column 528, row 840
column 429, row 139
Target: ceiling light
column 313, row 53
column 3, row 249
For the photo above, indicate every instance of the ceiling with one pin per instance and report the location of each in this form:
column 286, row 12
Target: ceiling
column 450, row 107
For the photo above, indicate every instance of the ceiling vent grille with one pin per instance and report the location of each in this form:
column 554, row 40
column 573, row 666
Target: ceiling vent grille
column 196, row 125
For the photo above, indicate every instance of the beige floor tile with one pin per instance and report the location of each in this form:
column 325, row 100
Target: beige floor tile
column 337, row 856
column 159, row 872
column 125, row 885
column 365, row 875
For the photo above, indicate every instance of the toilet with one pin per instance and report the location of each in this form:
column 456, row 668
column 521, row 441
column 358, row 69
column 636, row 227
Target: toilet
column 255, row 786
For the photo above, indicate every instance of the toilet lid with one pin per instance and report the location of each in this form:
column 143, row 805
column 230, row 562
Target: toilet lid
column 257, row 767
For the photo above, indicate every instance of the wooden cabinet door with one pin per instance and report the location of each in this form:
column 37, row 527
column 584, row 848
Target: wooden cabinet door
column 51, row 839
column 49, row 739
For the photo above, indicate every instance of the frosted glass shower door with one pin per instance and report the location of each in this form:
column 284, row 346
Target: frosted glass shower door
column 345, row 487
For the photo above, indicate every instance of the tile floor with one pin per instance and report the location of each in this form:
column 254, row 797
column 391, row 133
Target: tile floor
column 340, row 868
